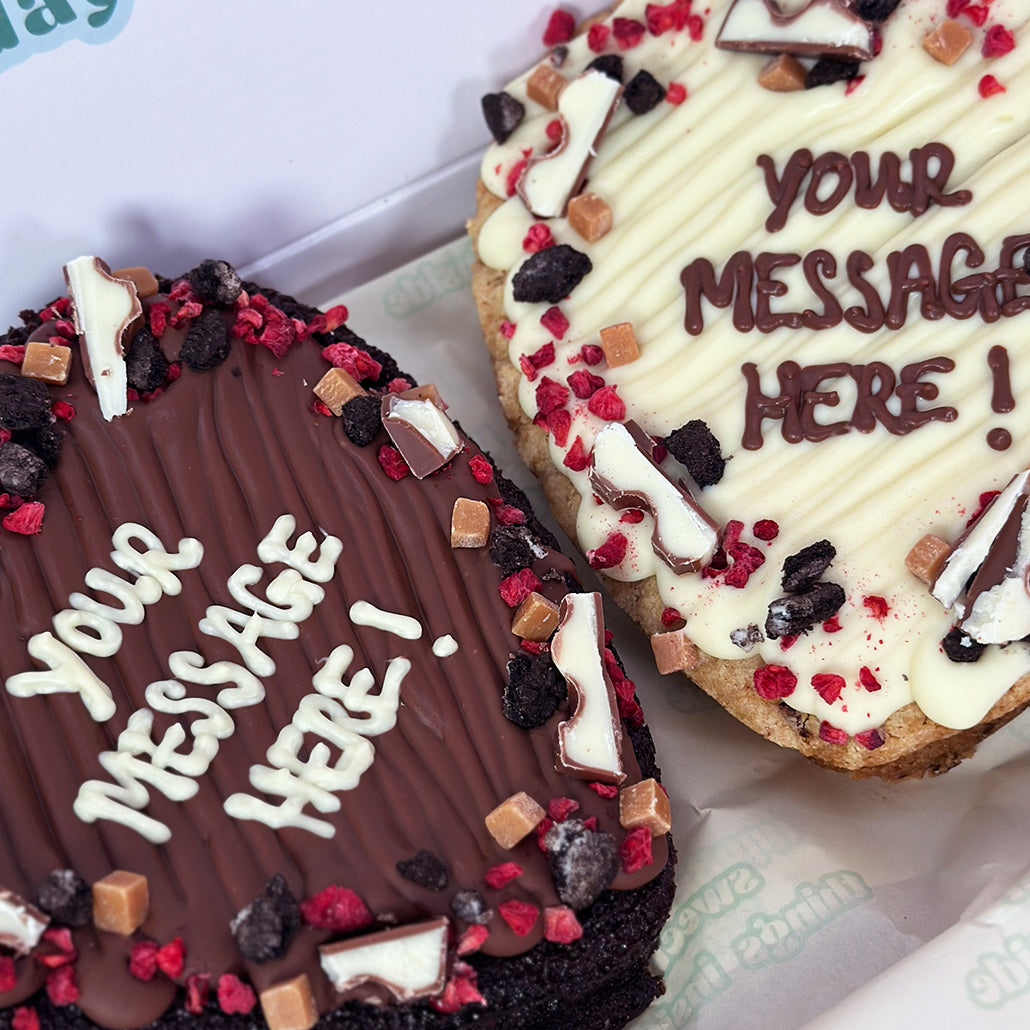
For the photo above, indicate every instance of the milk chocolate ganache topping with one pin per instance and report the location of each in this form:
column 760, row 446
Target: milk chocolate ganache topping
column 242, row 663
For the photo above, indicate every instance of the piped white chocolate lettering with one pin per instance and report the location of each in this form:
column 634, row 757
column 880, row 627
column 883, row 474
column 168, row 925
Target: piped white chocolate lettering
column 364, row 614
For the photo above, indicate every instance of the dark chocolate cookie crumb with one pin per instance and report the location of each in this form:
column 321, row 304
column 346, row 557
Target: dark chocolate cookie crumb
column 207, row 342
column 45, row 443
column 801, row 570
column 426, row 870
column 24, row 403
column 695, row 446
column 534, row 690
column 503, row 114
column 828, row 70
column 66, row 898
column 511, row 494
column 470, row 906
column 510, row 549
column 583, row 862
column 875, row 10
column 550, row 275
column 558, row 56
column 960, row 647
column 608, row 64
column 747, row 637
column 265, row 928
column 215, row 282
column 21, row 471
column 799, row 720
column 798, row 613
column 362, row 419
column 643, row 92
column 145, row 366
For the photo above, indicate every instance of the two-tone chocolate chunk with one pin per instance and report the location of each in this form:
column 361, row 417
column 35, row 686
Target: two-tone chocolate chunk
column 21, row 923
column 420, row 430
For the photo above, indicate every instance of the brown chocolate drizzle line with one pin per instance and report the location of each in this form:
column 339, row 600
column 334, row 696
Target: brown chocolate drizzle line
column 1001, row 395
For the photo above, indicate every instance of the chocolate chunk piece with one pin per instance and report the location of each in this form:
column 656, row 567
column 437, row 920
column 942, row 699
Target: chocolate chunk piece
column 510, row 549
column 470, row 906
column 426, row 870
column 695, row 446
column 550, row 275
column 801, row 570
column 207, row 342
column 798, row 613
column 503, row 114
column 21, row 471
column 643, row 92
column 66, row 898
column 145, row 366
column 24, row 403
column 608, row 64
column 828, row 70
column 534, row 690
column 215, row 282
column 362, row 419
column 960, row 647
column 45, row 443
column 583, row 862
column 265, row 928
column 875, row 10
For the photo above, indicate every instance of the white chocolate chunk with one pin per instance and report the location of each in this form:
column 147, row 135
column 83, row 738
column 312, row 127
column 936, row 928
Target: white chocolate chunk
column 590, row 743
column 585, row 105
column 820, row 26
column 104, row 309
column 21, row 924
column 410, row 961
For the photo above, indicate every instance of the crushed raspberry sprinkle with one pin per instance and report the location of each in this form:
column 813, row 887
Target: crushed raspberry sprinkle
column 25, row 1018
column 774, row 681
column 61, row 987
column 576, row 458
column 606, row 404
column 198, row 986
column 584, row 384
column 989, row 86
column 604, row 790
column 610, row 553
column 867, row 679
column 509, row 515
column 400, row 384
column 597, row 37
column 15, row 353
column 335, row 317
column 831, row 734
column 560, row 27
column 352, row 360
column 26, row 520
column 554, row 131
column 171, row 958
column 143, row 960
column 506, row 329
column 392, row 463
column 632, row 517
column 521, row 916
column 766, row 530
column 555, row 322
column 635, row 850
column 559, row 423
column 878, row 606
column 234, row 996
column 514, row 589
column 63, row 410
column 499, row 876
column 663, row 18
column 628, row 32
column 561, row 925
column 481, row 469
column 538, row 237
column 871, row 739
column 8, row 975
column 532, row 363
column 559, row 809
column 472, row 939
column 550, row 395
column 832, row 624
column 671, row 618
column 459, row 990
column 336, row 908
column 976, row 13
column 591, row 353
column 675, row 93
column 541, row 831
column 828, row 686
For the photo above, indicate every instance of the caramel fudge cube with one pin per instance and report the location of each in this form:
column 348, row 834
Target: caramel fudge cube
column 536, row 618
column 924, row 561
column 674, row 651
column 514, row 819
column 142, row 278
column 47, row 361
column 645, row 804
column 470, row 523
column 425, row 392
column 290, row 1005
column 120, row 902
column 335, row 388
column 783, row 74
column 590, row 216
column 545, row 86
column 947, row 42
column 619, row 344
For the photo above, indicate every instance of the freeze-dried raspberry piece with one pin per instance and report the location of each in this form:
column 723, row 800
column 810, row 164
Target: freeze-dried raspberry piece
column 61, row 987
column 470, row 906
column 555, row 130
column 832, row 624
column 550, row 275
column 976, row 13
column 576, row 458
column 671, row 618
column 63, row 410
column 362, row 419
column 597, row 36
column 399, row 385
column 550, row 395
column 558, row 424
column 234, row 996
column 481, row 469
column 604, row 790
column 24, row 402
column 584, row 384
column 265, row 928
column 561, row 925
column 8, row 975
column 426, row 870
column 521, row 916
column 279, row 333
column 606, row 404
column 503, row 114
column 591, row 353
column 666, row 17
column 765, row 529
column 828, row 686
column 472, row 940
column 583, row 861
column 353, row 360
column 675, row 93
column 773, row 681
column 459, row 990
column 628, row 32
column 635, row 850
column 171, row 958
column 215, row 282
column 198, row 985
column 143, row 960
column 867, row 679
column 532, row 363
column 560, row 27
column 499, row 876
column 610, row 553
column 534, row 690
column 878, row 606
column 392, row 463
column 871, row 739
column 14, row 353
column 989, row 86
column 643, row 92
column 831, row 734
column 509, row 515
column 559, row 809
column 157, row 318
column 555, row 322
column 695, row 447
column 336, row 908
column 506, row 329
column 26, row 520
column 514, row 589
column 207, row 342
column 25, row 1018
column 538, row 237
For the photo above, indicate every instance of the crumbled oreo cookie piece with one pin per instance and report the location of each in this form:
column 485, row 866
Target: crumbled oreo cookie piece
column 24, row 403
column 265, row 928
column 215, row 282
column 207, row 342
column 362, row 419
column 828, row 70
column 510, row 549
column 960, row 647
column 511, row 494
column 608, row 64
column 875, row 10
column 559, row 55
column 801, row 570
column 583, row 862
column 643, row 92
column 470, row 906
column 66, row 898
column 426, row 870
column 798, row 613
column 534, row 690
column 799, row 720
column 695, row 447
column 146, row 367
column 746, row 637
column 45, row 443
column 503, row 114
column 550, row 275
column 21, row 471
